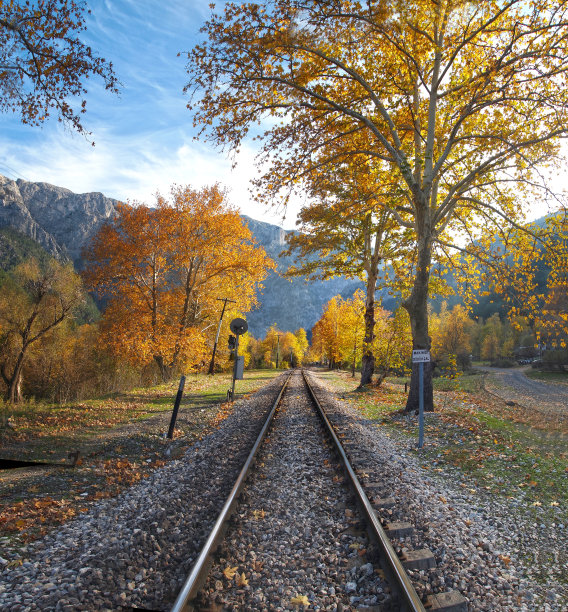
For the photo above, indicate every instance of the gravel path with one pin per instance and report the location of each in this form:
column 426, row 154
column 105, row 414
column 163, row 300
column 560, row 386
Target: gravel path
column 298, row 533
column 512, row 385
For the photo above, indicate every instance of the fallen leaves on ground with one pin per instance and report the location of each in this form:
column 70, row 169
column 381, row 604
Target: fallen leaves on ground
column 300, row 600
column 35, row 512
column 229, row 572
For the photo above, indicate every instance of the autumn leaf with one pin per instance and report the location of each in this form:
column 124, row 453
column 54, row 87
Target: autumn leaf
column 229, row 572
column 241, row 579
column 300, row 600
column 258, row 514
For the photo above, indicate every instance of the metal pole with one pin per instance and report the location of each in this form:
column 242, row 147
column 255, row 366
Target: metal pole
column 277, row 350
column 420, row 405
column 176, row 407
column 235, row 368
column 212, row 363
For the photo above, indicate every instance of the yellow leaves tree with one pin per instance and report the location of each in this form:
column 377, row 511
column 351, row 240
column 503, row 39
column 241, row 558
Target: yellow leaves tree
column 525, row 267
column 347, row 230
column 161, row 270
column 339, row 336
column 280, row 349
column 34, row 301
column 459, row 100
column 43, row 61
column 451, row 334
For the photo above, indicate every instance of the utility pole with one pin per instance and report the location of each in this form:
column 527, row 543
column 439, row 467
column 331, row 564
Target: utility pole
column 277, row 349
column 212, row 364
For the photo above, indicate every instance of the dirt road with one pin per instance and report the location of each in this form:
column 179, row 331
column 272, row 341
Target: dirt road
column 511, row 384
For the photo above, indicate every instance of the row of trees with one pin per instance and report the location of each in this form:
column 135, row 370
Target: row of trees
column 277, row 349
column 337, row 339
column 158, row 272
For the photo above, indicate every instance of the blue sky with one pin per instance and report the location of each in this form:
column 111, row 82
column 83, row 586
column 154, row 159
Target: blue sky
column 143, row 137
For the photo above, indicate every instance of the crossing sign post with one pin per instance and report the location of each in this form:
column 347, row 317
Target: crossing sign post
column 421, row 356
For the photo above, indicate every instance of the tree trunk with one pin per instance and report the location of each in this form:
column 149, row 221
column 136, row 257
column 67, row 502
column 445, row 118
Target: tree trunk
column 14, row 392
column 368, row 359
column 165, row 371
column 417, row 307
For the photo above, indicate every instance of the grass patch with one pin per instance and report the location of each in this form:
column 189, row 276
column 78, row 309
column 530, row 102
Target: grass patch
column 554, row 377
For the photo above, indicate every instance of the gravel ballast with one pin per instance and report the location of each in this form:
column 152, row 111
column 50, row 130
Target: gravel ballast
column 136, row 549
column 297, row 535
column 480, row 542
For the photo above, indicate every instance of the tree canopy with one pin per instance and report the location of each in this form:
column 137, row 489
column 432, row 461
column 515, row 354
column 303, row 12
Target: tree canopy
column 162, row 269
column 44, row 63
column 460, row 101
column 35, row 300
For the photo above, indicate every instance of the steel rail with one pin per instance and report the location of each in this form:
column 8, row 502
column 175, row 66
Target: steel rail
column 394, row 565
column 201, row 567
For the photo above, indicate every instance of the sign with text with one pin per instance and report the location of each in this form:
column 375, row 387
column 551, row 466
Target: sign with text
column 420, row 356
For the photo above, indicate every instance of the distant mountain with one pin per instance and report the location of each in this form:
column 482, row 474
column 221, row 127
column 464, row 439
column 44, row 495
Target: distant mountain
column 16, row 248
column 63, row 222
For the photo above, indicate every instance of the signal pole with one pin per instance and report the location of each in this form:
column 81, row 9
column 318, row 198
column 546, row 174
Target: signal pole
column 212, row 363
column 277, row 349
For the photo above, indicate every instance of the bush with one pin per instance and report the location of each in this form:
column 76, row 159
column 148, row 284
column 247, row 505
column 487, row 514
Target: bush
column 555, row 360
column 502, row 363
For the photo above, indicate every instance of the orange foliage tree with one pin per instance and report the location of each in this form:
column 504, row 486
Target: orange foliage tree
column 162, row 269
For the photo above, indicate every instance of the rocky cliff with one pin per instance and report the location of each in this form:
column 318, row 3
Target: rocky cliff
column 63, row 222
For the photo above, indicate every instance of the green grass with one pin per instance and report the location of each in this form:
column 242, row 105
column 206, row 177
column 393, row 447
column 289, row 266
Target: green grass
column 42, row 428
column 556, row 377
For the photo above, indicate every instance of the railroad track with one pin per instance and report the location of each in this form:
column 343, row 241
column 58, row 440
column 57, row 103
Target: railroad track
column 303, row 530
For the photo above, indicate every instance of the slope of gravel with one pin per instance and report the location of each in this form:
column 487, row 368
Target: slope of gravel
column 481, row 544
column 136, row 549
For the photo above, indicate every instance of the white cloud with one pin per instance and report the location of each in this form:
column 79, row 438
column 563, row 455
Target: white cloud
column 134, row 167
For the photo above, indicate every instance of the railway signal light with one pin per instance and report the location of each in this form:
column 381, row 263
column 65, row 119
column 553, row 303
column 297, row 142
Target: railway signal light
column 232, row 342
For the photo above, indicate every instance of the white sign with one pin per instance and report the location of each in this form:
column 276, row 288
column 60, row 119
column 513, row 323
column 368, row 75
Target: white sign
column 420, row 356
